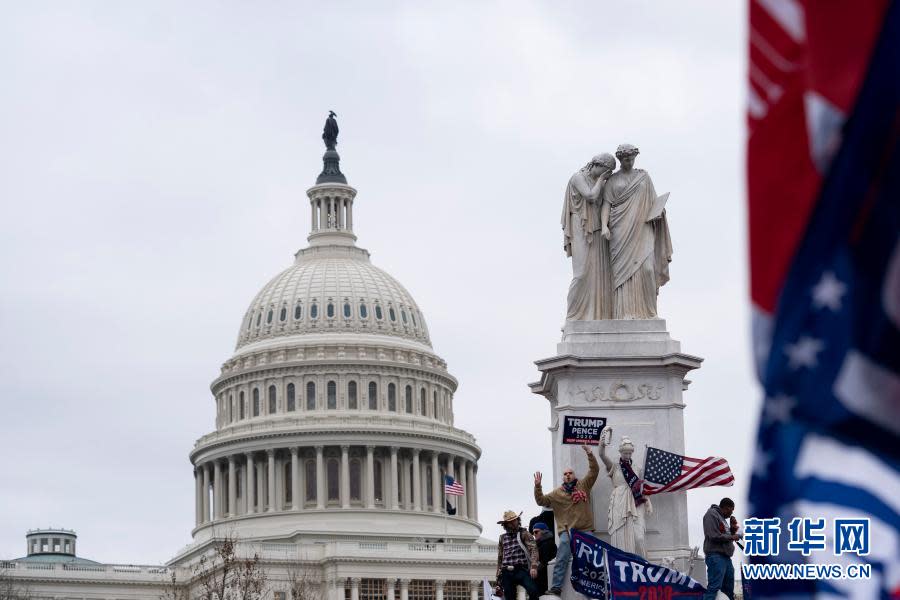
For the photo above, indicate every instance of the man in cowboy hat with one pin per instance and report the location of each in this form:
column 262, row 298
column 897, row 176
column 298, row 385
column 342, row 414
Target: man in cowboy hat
column 571, row 504
column 517, row 558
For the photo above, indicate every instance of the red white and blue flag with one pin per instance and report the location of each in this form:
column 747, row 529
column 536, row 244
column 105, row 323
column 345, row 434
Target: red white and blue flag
column 670, row 472
column 452, row 487
column 823, row 159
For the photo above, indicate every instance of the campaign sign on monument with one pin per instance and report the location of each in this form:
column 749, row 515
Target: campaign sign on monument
column 600, row 570
column 583, row 430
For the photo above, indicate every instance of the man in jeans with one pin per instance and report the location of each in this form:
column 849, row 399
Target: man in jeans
column 571, row 504
column 719, row 535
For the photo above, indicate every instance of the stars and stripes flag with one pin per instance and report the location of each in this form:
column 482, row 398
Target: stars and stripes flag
column 823, row 170
column 452, row 487
column 670, row 472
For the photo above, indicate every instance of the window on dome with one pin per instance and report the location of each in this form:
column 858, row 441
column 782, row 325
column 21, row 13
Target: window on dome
column 434, row 404
column 363, row 312
column 269, row 316
column 329, row 310
column 333, row 478
column 288, row 484
column 258, row 318
column 230, row 408
column 314, row 311
column 241, row 402
column 378, row 314
column 332, row 395
column 392, row 397
column 378, row 483
column 423, row 409
column 373, row 396
column 310, row 396
column 311, row 481
column 355, row 479
column 255, row 402
column 273, row 402
column 392, row 314
column 283, row 314
column 249, row 322
column 412, row 314
column 347, row 310
column 403, row 315
column 409, row 402
column 298, row 312
column 352, row 402
column 291, row 398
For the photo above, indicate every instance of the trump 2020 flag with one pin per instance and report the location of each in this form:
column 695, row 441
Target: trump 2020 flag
column 603, row 571
column 823, row 169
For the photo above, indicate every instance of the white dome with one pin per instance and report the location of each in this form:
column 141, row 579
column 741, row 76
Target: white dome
column 332, row 290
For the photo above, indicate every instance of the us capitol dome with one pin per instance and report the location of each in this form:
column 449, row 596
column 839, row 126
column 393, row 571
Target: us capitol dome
column 334, row 417
column 333, row 437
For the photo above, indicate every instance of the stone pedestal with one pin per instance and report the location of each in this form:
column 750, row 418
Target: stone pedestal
column 632, row 373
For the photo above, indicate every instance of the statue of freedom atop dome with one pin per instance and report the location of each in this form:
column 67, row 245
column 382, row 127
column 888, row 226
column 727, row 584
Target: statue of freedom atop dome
column 331, row 131
column 633, row 219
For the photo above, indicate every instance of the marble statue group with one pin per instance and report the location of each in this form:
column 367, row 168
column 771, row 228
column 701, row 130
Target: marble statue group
column 615, row 230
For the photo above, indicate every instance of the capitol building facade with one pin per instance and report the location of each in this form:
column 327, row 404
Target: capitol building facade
column 333, row 435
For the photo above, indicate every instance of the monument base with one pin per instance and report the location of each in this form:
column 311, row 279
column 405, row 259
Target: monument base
column 632, row 373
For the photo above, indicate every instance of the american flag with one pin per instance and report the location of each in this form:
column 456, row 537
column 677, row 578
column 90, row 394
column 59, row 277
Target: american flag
column 452, row 487
column 823, row 174
column 669, row 472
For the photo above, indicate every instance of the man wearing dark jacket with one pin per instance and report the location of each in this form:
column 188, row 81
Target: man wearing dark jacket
column 546, row 546
column 719, row 535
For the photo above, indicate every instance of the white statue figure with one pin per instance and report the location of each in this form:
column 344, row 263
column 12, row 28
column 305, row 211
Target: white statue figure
column 591, row 289
column 627, row 505
column 639, row 244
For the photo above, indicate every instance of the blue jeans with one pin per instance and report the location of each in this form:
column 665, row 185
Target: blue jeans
column 719, row 576
column 563, row 558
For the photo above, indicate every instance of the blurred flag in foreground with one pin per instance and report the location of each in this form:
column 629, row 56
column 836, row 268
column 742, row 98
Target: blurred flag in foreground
column 823, row 162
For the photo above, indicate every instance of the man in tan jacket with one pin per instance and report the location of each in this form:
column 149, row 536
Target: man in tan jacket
column 571, row 504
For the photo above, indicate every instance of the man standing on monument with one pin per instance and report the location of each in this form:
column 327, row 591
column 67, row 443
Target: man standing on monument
column 571, row 504
column 583, row 239
column 546, row 546
column 517, row 558
column 719, row 535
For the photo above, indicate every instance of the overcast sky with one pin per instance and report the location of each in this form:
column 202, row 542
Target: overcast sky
column 154, row 159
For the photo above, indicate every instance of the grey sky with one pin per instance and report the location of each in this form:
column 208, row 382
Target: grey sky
column 153, row 164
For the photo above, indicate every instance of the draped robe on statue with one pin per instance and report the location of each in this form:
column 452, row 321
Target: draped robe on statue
column 627, row 522
column 591, row 289
column 640, row 251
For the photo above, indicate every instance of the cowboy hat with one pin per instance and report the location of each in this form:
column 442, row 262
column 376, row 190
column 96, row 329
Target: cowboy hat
column 509, row 515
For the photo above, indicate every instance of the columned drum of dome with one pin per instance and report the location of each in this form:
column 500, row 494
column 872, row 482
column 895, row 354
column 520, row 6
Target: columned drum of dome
column 334, row 415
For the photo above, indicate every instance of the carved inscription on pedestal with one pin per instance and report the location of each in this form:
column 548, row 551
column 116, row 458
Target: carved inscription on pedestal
column 617, row 391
